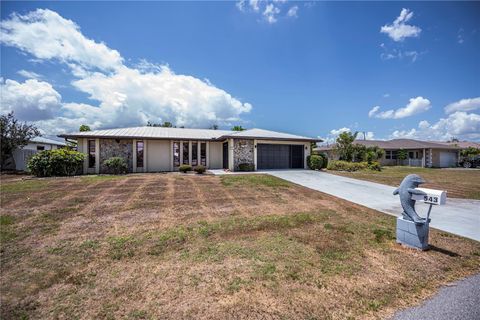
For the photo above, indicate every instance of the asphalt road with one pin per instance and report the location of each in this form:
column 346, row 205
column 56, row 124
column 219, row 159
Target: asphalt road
column 458, row 301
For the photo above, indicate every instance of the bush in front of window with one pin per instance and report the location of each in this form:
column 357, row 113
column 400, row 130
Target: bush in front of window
column 315, row 162
column 116, row 165
column 185, row 168
column 200, row 169
column 58, row 162
column 246, row 167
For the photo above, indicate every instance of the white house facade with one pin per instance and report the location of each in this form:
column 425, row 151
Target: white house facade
column 159, row 149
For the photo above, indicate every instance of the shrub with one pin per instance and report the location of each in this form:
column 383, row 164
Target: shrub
column 116, row 165
column 340, row 165
column 58, row 162
column 315, row 162
column 246, row 167
column 325, row 160
column 185, row 168
column 375, row 166
column 200, row 169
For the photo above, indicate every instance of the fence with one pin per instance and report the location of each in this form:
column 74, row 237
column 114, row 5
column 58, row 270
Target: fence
column 411, row 162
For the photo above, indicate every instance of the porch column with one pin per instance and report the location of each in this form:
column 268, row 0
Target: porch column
column 145, row 157
column 97, row 156
column 207, row 155
column 230, row 154
column 255, row 154
column 423, row 159
column 134, row 155
column 181, row 152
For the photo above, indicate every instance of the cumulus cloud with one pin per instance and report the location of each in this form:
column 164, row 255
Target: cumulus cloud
column 414, row 106
column 30, row 100
column 459, row 124
column 46, row 35
column 463, row 105
column 270, row 13
column 399, row 29
column 126, row 95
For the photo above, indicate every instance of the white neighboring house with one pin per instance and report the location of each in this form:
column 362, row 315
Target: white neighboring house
column 35, row 145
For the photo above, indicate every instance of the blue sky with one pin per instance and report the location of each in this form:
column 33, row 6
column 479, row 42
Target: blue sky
column 391, row 69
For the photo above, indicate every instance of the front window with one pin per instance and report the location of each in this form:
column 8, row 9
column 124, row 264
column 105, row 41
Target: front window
column 40, row 148
column 194, row 153
column 185, row 153
column 176, row 154
column 203, row 154
column 139, row 154
column 91, row 153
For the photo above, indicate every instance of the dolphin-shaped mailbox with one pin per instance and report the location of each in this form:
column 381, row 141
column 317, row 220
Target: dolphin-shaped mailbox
column 406, row 190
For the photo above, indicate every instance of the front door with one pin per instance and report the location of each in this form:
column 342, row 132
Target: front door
column 225, row 155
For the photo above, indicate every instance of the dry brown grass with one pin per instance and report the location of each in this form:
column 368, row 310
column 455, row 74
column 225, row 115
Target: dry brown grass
column 459, row 183
column 181, row 246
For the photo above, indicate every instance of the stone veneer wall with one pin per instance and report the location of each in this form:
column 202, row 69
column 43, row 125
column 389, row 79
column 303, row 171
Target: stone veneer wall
column 242, row 152
column 111, row 148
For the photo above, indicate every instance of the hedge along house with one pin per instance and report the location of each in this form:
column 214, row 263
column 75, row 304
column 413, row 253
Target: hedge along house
column 158, row 149
column 419, row 153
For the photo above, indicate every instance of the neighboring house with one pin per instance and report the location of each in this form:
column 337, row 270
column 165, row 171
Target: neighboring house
column 420, row 153
column 35, row 145
column 157, row 149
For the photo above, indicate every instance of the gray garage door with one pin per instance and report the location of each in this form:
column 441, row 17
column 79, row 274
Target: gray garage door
column 279, row 156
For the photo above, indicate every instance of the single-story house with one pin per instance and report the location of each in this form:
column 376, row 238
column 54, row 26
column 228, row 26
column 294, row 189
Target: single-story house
column 157, row 149
column 420, row 153
column 37, row 144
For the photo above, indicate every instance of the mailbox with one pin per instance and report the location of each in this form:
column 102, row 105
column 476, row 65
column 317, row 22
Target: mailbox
column 437, row 197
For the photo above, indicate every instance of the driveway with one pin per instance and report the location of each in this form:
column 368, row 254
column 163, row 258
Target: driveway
column 458, row 216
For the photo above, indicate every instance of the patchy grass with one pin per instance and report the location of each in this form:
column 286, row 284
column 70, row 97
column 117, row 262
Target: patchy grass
column 23, row 186
column 254, row 180
column 250, row 246
column 458, row 183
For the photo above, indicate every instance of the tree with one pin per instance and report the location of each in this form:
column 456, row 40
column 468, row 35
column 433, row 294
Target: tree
column 14, row 135
column 165, row 124
column 238, row 128
column 470, row 152
column 344, row 145
column 84, row 128
column 402, row 154
column 214, row 127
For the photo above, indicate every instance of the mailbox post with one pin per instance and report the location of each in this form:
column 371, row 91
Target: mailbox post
column 412, row 230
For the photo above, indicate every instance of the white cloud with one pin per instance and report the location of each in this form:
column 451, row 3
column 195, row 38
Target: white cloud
column 241, row 5
column 46, row 35
column 29, row 74
column 414, row 106
column 270, row 13
column 292, row 12
column 254, row 5
column 373, row 111
column 336, row 132
column 386, row 95
column 460, row 36
column 398, row 53
column 127, row 96
column 399, row 29
column 460, row 125
column 463, row 105
column 30, row 100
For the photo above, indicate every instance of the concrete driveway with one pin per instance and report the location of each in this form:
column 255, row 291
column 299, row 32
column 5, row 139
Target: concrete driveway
column 458, row 216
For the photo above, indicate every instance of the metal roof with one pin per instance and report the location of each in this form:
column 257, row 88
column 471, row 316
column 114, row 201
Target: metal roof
column 267, row 134
column 150, row 132
column 47, row 141
column 400, row 144
column 183, row 133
